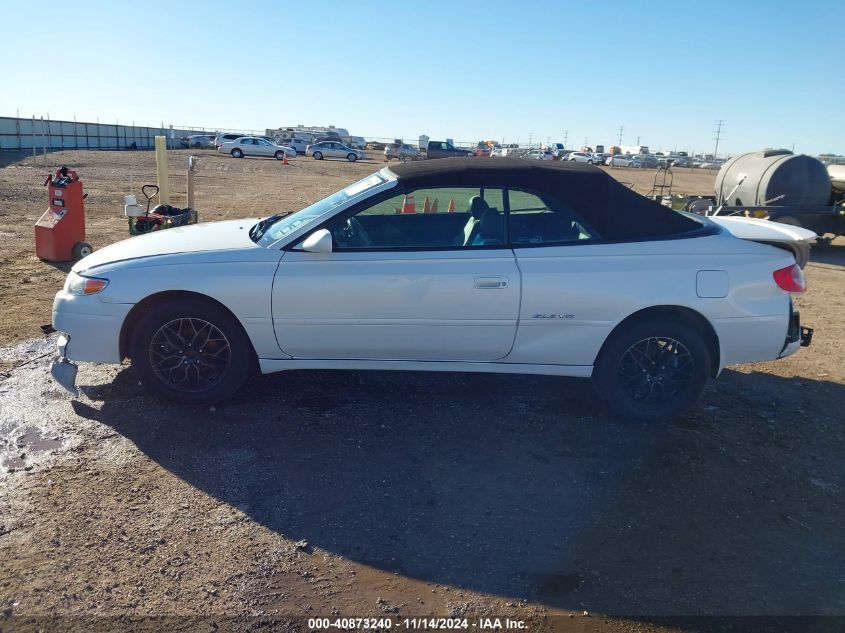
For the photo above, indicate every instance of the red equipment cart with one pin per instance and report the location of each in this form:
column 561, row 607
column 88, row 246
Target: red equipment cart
column 60, row 232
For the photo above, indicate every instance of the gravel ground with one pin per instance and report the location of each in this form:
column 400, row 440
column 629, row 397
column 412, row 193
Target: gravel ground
column 399, row 494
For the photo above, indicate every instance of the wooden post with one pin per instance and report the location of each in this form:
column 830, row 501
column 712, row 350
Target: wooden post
column 191, row 164
column 161, row 170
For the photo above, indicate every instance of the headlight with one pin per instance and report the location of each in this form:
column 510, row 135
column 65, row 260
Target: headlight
column 79, row 285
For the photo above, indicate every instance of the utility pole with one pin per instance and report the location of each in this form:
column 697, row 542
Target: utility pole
column 718, row 133
column 530, row 136
column 621, row 129
column 565, row 138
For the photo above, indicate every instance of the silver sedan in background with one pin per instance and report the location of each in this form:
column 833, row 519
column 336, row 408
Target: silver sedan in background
column 256, row 146
column 334, row 149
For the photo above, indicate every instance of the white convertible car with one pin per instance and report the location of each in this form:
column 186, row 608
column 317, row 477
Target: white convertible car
column 452, row 265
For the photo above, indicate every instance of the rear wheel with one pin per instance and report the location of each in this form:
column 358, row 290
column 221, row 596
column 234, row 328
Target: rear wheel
column 318, row 155
column 236, row 153
column 652, row 369
column 191, row 351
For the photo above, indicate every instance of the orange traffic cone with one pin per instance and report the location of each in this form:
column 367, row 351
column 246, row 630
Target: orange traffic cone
column 434, row 206
column 408, row 204
column 285, row 161
column 451, row 206
column 426, row 206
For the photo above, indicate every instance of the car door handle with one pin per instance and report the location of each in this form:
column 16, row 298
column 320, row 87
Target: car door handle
column 491, row 282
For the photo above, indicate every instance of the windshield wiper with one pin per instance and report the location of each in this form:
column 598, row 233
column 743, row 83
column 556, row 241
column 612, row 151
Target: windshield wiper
column 258, row 230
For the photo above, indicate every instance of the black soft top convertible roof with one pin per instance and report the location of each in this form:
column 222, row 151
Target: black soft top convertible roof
column 611, row 208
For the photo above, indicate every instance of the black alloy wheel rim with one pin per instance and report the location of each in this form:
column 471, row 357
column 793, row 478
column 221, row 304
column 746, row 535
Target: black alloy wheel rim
column 655, row 370
column 190, row 354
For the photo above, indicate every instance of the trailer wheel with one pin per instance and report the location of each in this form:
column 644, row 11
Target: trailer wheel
column 81, row 249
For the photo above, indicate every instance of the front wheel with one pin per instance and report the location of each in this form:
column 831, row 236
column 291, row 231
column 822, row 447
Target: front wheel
column 191, row 351
column 236, row 153
column 652, row 369
column 351, row 157
column 318, row 156
column 280, row 155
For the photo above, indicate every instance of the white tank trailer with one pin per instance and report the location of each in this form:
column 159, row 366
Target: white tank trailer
column 773, row 177
column 785, row 187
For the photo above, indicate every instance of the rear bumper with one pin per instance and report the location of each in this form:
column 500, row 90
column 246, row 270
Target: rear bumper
column 797, row 335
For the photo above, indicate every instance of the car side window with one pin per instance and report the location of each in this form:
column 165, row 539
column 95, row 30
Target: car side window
column 453, row 218
column 533, row 220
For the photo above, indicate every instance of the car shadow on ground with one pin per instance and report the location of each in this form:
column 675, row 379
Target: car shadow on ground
column 524, row 486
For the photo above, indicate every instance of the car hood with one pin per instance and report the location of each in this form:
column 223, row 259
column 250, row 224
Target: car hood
column 209, row 236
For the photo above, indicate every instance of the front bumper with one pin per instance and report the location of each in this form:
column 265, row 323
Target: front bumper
column 62, row 370
column 93, row 327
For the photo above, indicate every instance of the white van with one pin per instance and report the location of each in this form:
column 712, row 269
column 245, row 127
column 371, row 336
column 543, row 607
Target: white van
column 296, row 141
column 357, row 142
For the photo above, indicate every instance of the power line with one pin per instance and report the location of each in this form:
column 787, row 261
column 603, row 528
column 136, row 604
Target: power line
column 718, row 133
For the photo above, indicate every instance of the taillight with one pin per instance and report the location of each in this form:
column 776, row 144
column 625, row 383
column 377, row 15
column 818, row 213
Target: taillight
column 790, row 278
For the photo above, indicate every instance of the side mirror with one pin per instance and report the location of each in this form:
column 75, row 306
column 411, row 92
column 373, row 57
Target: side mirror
column 318, row 242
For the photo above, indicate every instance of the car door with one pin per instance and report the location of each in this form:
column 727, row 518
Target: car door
column 565, row 312
column 247, row 146
column 263, row 148
column 401, row 284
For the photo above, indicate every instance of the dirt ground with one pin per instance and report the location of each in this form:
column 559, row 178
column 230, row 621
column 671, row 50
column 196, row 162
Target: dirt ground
column 382, row 494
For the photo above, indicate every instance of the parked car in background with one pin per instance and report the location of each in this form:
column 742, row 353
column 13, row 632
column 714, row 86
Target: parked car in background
column 334, row 149
column 300, row 145
column 357, row 142
column 376, row 145
column 201, row 141
column 256, row 146
column 532, row 272
column 401, row 152
column 644, row 161
column 558, row 150
column 619, row 160
column 539, row 154
column 581, row 157
column 442, row 149
column 680, row 161
column 225, row 138
column 482, row 149
column 599, row 158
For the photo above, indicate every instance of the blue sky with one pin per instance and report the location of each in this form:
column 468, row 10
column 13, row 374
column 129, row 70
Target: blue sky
column 462, row 69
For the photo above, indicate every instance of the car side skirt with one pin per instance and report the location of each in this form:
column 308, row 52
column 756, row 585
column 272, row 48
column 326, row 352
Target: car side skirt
column 268, row 366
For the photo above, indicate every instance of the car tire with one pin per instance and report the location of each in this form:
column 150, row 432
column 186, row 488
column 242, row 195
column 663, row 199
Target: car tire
column 170, row 367
column 351, row 157
column 280, row 155
column 652, row 369
column 589, row 162
column 318, row 155
column 236, row 153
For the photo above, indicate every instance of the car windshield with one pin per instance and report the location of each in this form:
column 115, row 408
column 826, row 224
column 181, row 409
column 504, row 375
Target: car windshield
column 281, row 226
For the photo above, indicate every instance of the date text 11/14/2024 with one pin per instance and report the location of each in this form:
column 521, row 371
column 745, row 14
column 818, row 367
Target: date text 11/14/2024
column 420, row 624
